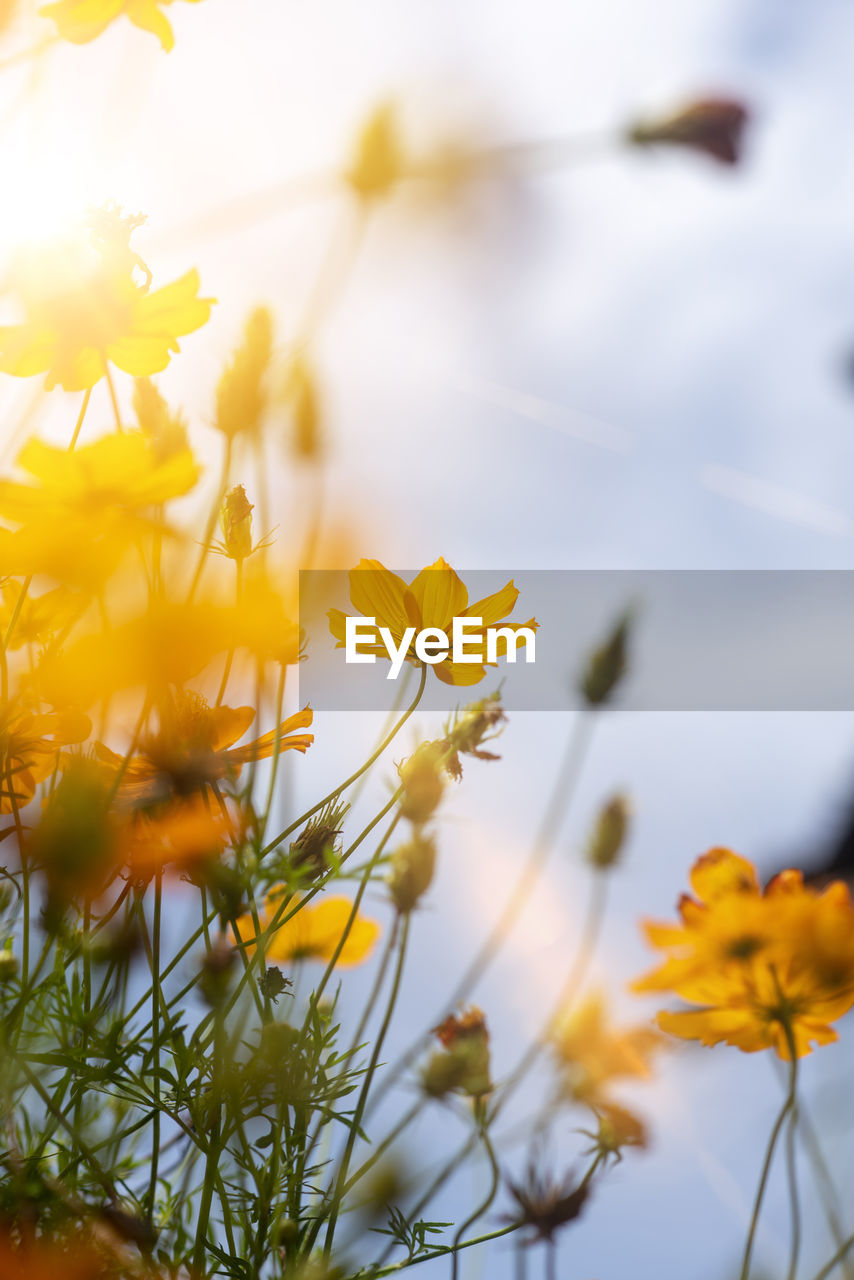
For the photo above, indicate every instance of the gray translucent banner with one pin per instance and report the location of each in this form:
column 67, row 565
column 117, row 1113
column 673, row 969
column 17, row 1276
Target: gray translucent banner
column 700, row 641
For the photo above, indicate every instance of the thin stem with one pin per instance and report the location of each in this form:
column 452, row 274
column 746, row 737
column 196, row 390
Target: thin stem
column 785, row 1112
column 87, row 395
column 113, row 397
column 794, row 1198
column 829, row 1267
column 371, row 760
column 485, row 1204
column 155, row 1036
column 355, row 1123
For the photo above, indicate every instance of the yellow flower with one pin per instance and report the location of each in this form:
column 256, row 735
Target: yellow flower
column 194, row 746
column 89, row 304
column 83, row 20
column 39, row 618
column 29, row 750
column 314, row 932
column 593, row 1053
column 765, row 967
column 433, row 599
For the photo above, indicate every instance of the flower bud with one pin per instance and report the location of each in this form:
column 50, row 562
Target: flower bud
column 241, row 394
column 301, row 395
column 216, row 971
column 235, row 520
column 315, row 849
column 8, row 965
column 422, row 782
column 379, row 162
column 609, row 833
column 714, row 126
column 166, row 430
column 607, row 664
column 412, row 868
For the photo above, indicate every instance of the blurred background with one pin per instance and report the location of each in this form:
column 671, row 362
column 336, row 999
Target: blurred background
column 620, row 358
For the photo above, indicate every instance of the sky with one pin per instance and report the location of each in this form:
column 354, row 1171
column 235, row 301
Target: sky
column 635, row 362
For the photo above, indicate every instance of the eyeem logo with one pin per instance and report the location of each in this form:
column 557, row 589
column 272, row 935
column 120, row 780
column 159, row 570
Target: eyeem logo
column 469, row 643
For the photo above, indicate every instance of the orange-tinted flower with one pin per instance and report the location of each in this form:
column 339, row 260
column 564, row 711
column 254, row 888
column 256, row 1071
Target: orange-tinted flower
column 314, row 932
column 433, row 599
column 30, row 744
column 86, row 306
column 185, row 834
column 194, row 746
column 592, row 1053
column 765, row 968
column 464, row 1061
column 81, row 21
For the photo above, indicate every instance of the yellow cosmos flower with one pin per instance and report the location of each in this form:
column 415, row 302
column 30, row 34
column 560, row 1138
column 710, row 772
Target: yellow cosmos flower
column 433, row 599
column 593, row 1053
column 194, row 746
column 30, row 744
column 83, row 20
column 766, row 968
column 39, row 618
column 314, row 932
column 89, row 303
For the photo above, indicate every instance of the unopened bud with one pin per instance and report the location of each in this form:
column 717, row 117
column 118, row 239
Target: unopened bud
column 610, row 832
column 379, row 162
column 412, row 868
column 235, row 520
column 8, row 965
column 422, row 782
column 607, row 664
column 465, row 1063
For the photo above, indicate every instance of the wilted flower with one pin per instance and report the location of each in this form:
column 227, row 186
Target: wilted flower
column 313, row 851
column 83, row 20
column 769, row 969
column 467, row 731
column 85, row 307
column 463, row 1063
column 432, row 600
column 547, row 1205
column 313, row 932
column 714, row 126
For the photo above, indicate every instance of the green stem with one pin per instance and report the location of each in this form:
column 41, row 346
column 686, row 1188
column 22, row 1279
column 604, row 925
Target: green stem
column 490, row 1196
column 155, row 1036
column 786, row 1110
column 371, row 760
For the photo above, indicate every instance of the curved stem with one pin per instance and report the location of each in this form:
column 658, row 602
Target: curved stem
column 484, row 1206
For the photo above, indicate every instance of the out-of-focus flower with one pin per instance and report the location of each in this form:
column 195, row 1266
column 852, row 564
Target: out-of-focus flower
column 378, row 162
column 766, row 967
column 433, row 599
column 547, row 1205
column 606, row 665
column 464, row 1062
column 194, row 746
column 714, row 126
column 86, row 305
column 81, row 21
column 609, row 833
column 313, row 932
column 77, row 842
column 185, row 834
column 411, row 874
column 166, row 430
column 422, row 782
column 114, row 479
column 302, row 398
column 30, row 744
column 592, row 1053
column 38, row 618
column 242, row 395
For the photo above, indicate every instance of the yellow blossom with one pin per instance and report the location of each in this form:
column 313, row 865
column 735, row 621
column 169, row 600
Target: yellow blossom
column 81, row 21
column 593, row 1053
column 433, row 599
column 768, row 969
column 313, row 932
column 30, row 743
column 89, row 304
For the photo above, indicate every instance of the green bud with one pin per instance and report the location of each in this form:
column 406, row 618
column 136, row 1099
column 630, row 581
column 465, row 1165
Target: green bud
column 412, row 868
column 607, row 664
column 610, row 832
